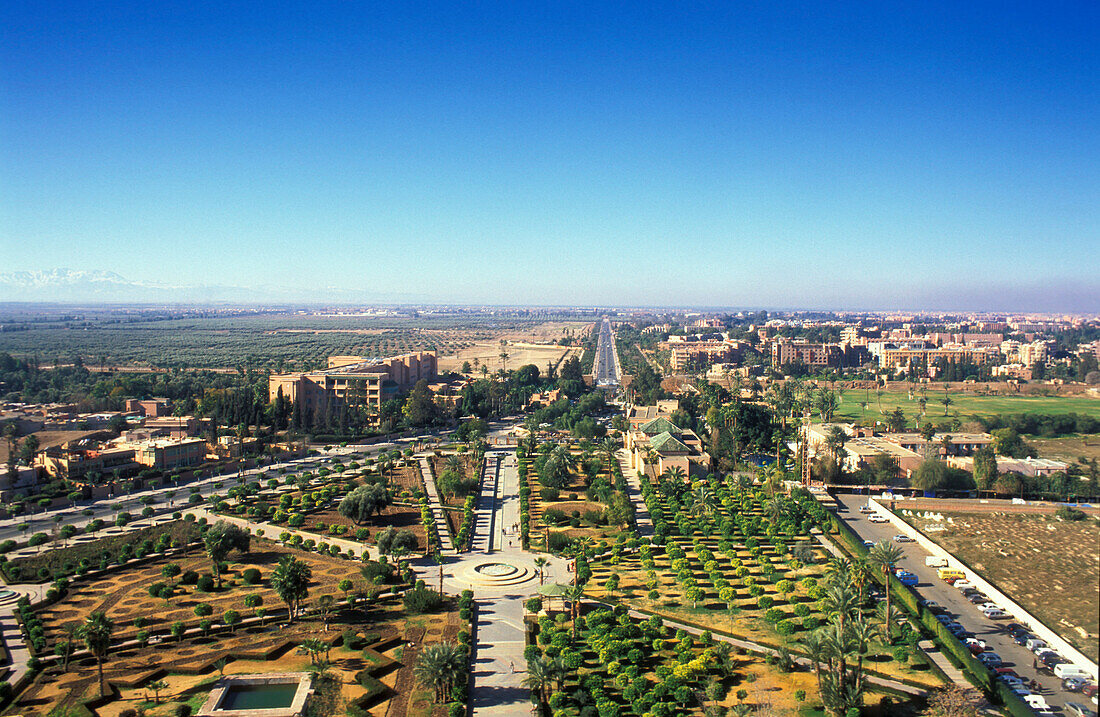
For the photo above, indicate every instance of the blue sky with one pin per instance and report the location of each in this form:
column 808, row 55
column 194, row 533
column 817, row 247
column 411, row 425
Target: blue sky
column 873, row 155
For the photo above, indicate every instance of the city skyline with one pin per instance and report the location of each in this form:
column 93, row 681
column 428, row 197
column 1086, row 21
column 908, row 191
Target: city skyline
column 798, row 157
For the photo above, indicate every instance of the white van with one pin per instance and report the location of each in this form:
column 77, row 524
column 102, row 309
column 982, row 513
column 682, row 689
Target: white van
column 933, row 561
column 1035, row 643
column 1068, row 669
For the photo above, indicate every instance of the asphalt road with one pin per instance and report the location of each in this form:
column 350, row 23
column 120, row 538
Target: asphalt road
column 968, row 615
column 606, row 367
column 43, row 522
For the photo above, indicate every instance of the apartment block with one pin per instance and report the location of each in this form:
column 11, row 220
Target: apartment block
column 355, row 380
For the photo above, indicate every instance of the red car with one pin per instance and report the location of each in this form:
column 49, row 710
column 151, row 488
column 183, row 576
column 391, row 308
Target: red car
column 1006, row 671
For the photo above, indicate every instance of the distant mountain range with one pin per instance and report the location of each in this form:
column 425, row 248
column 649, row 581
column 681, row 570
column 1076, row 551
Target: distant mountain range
column 75, row 286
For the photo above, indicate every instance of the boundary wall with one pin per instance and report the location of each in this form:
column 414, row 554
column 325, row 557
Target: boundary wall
column 1032, row 623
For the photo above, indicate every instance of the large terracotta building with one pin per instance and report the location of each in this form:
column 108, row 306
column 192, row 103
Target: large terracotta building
column 355, row 380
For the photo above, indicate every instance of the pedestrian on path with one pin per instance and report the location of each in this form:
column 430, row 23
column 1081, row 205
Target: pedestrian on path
column 511, row 666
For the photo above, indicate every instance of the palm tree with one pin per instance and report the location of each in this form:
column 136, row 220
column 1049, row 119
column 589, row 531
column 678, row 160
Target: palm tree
column 887, row 618
column 609, row 447
column 538, row 678
column 840, row 602
column 540, row 565
column 290, row 580
column 574, row 593
column 839, row 570
column 440, row 667
column 96, row 633
column 815, row 650
column 157, row 687
column 861, row 573
column 674, row 473
column 884, row 555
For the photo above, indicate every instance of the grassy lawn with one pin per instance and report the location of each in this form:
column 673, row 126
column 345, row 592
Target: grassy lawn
column 1051, row 567
column 962, row 405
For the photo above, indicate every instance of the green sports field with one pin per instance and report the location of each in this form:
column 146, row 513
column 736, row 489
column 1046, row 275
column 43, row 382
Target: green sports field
column 962, row 404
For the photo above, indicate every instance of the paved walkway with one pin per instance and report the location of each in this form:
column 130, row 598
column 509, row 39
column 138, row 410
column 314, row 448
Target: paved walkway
column 498, row 666
column 272, row 531
column 485, row 509
column 642, row 519
column 441, row 526
column 11, row 634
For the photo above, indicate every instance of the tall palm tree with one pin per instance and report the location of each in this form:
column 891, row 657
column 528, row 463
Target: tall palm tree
column 540, row 565
column 440, row 666
column 96, row 633
column 815, row 650
column 609, row 448
column 884, row 555
column 839, row 570
column 861, row 573
column 840, row 603
column 574, row 593
column 538, row 678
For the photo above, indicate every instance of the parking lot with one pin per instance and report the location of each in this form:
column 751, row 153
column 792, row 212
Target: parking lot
column 929, row 587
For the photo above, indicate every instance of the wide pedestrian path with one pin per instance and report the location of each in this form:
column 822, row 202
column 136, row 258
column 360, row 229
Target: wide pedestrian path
column 642, row 519
column 446, row 543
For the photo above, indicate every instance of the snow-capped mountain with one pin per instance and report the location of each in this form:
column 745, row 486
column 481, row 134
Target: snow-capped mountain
column 97, row 286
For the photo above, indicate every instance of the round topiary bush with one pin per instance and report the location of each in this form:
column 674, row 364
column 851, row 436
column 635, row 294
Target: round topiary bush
column 251, row 576
column 205, row 583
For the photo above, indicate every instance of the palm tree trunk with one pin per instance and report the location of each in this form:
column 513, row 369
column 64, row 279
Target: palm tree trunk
column 99, row 665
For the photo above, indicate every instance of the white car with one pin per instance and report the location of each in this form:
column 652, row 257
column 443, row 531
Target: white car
column 1036, row 702
column 876, row 518
column 866, row 509
column 963, row 584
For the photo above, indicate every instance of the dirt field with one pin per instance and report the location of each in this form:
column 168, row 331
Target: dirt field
column 1068, row 448
column 487, row 353
column 48, row 439
column 1051, row 567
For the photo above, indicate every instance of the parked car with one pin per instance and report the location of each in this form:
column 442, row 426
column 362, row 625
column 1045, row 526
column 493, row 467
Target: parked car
column 1036, row 702
column 989, row 606
column 1022, row 638
column 944, row 619
column 876, row 518
column 934, row 561
column 1076, row 709
column 976, row 641
column 1051, row 659
column 903, row 539
column 977, row 598
column 868, row 543
column 1035, row 644
column 949, row 574
column 963, row 585
column 907, row 578
column 933, row 607
column 995, row 613
column 866, row 509
column 990, row 659
column 1074, row 684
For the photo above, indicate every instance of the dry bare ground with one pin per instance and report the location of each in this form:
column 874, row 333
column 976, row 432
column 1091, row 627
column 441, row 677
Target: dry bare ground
column 1049, row 566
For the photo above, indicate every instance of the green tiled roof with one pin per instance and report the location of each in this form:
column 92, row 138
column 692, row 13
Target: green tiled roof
column 668, row 443
column 660, row 425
